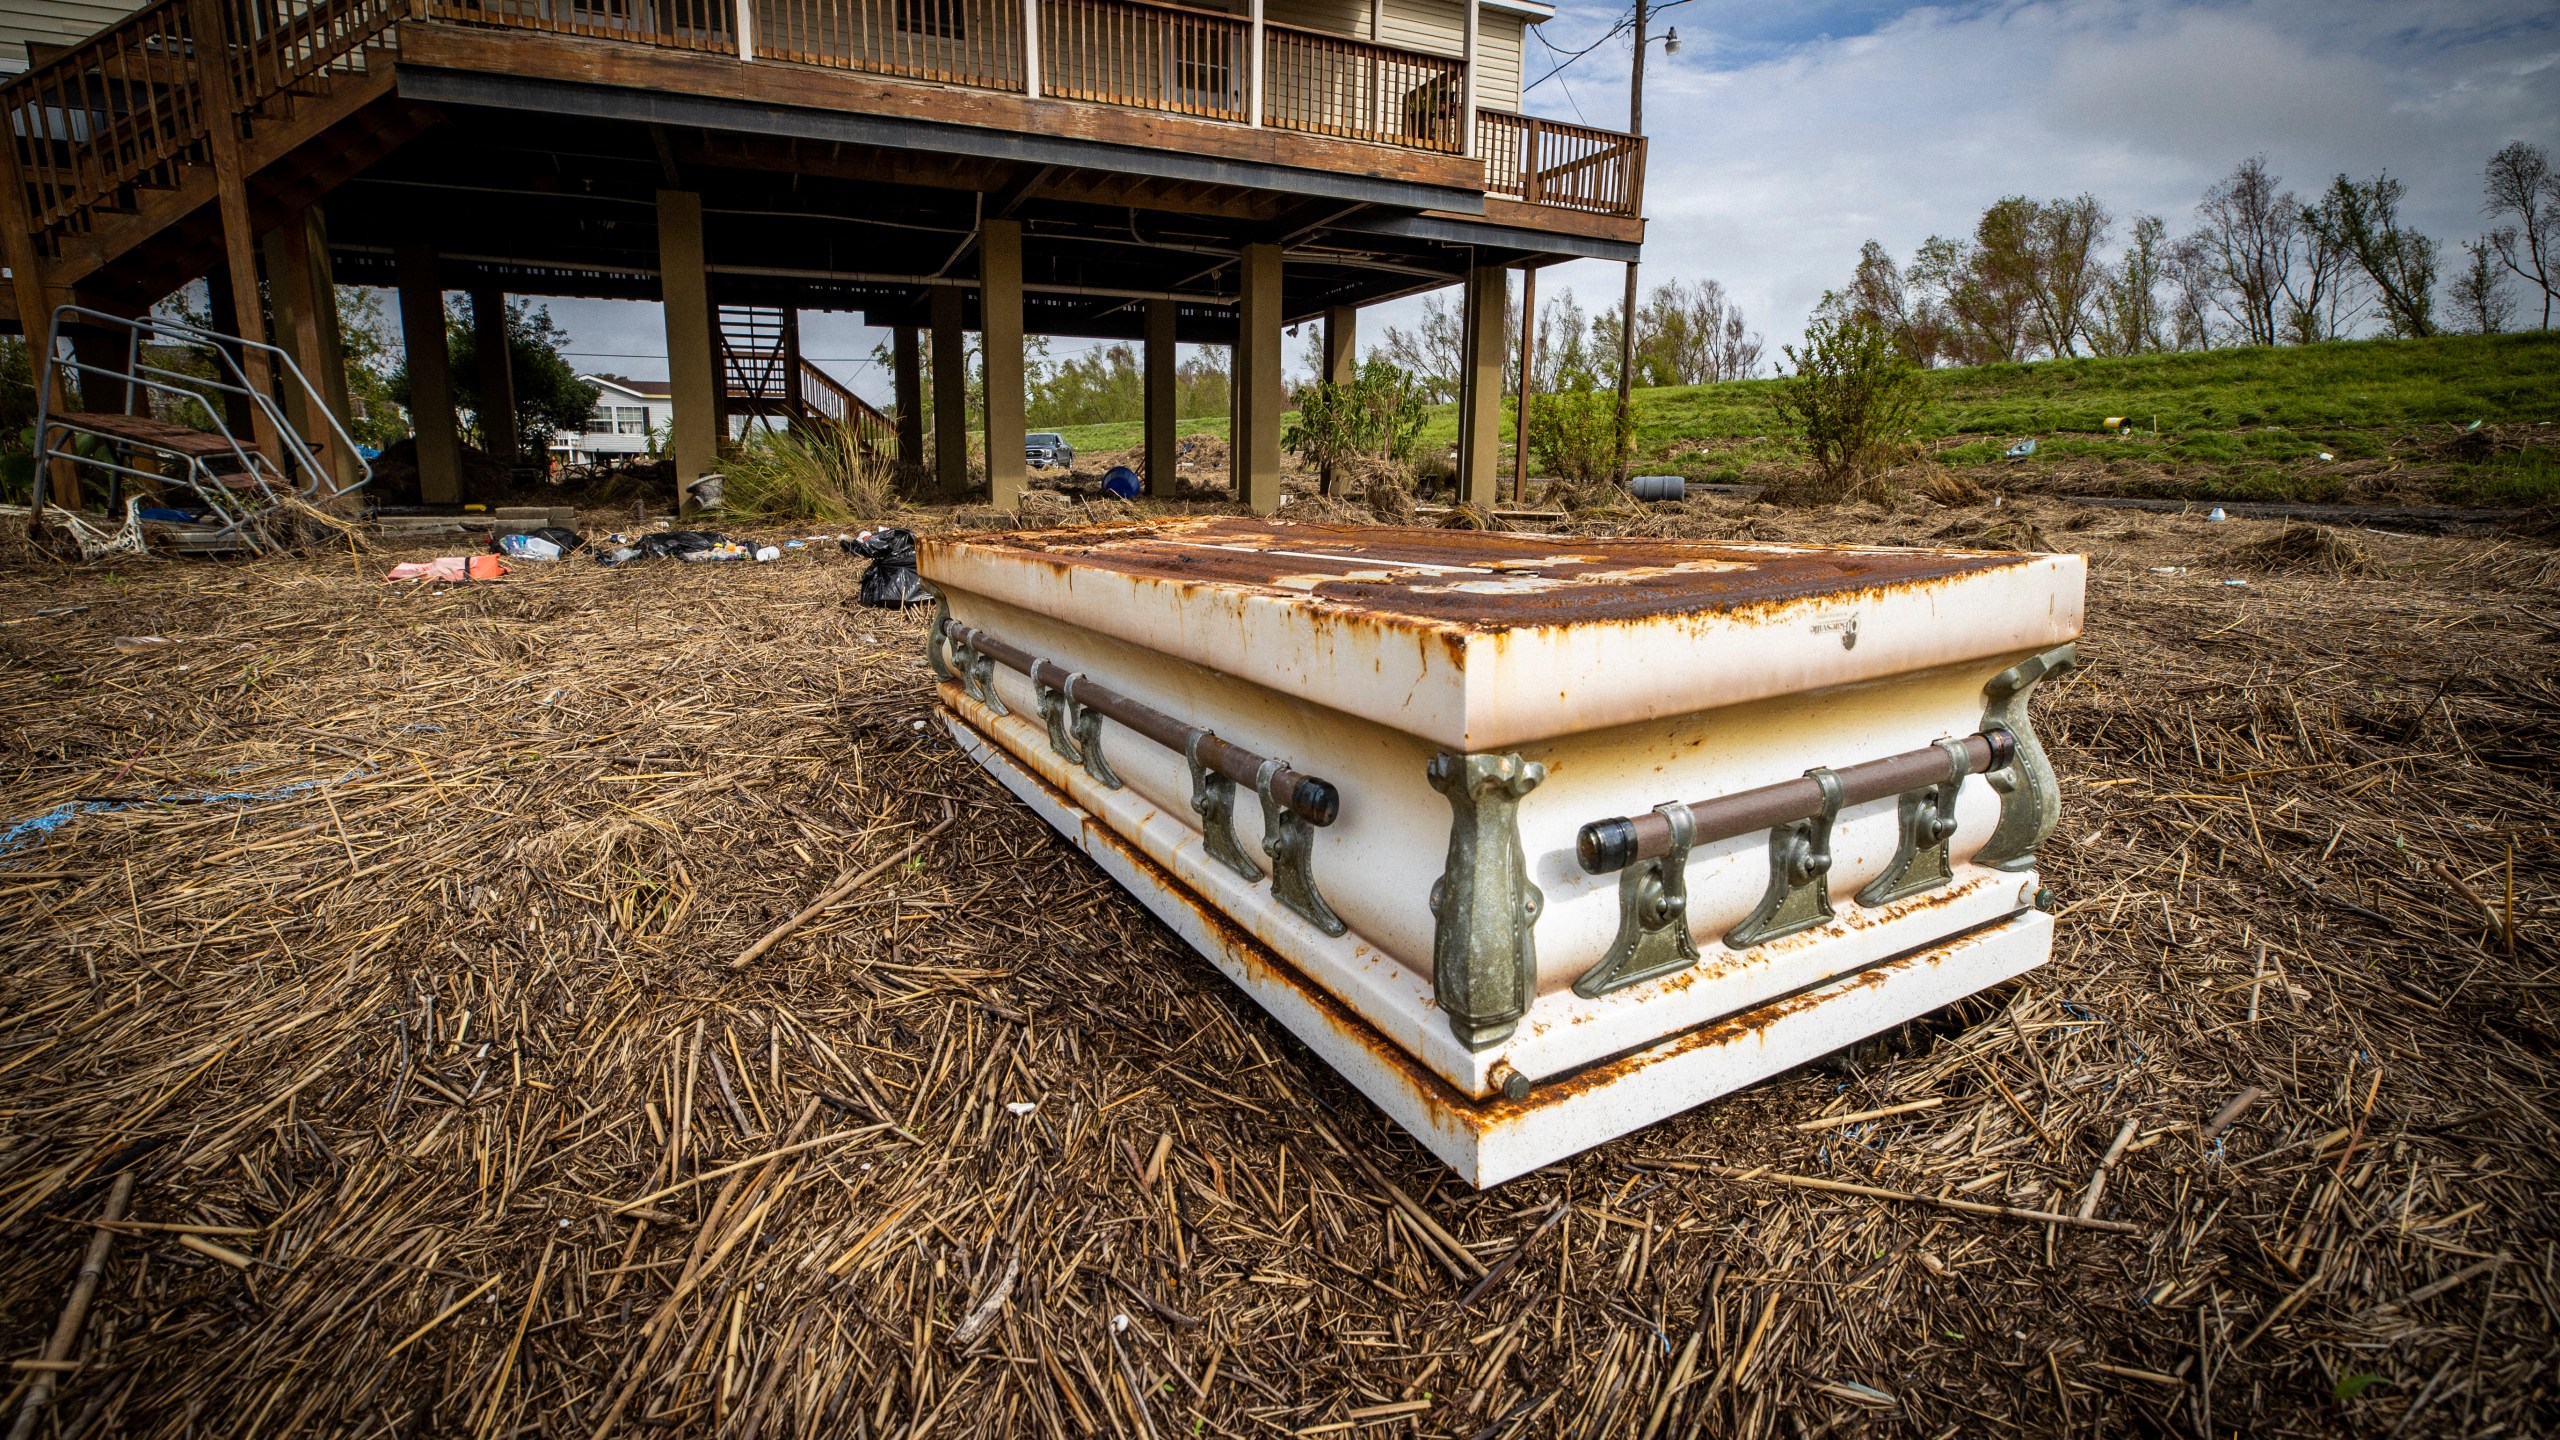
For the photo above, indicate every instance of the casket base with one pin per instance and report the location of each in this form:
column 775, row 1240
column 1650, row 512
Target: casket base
column 1488, row 1142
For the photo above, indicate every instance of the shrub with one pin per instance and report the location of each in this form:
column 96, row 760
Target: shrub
column 1574, row 434
column 1853, row 396
column 1378, row 416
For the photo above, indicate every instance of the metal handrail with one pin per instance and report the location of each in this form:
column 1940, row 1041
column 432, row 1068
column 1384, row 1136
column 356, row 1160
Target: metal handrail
column 1313, row 800
column 1605, row 846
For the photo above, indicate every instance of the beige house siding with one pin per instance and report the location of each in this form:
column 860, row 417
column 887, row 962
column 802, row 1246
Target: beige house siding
column 52, row 22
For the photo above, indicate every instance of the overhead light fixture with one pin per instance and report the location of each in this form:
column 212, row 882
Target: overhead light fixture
column 1671, row 41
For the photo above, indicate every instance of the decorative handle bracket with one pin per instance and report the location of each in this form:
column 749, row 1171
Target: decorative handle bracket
column 1213, row 799
column 2030, row 799
column 1799, row 896
column 1484, row 957
column 1653, row 916
column 1928, row 817
column 1290, row 842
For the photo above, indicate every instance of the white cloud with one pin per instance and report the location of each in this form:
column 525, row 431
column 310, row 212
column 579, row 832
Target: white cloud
column 1770, row 173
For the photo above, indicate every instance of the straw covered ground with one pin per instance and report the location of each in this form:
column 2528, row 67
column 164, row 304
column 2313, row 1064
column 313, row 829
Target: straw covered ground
column 366, row 1002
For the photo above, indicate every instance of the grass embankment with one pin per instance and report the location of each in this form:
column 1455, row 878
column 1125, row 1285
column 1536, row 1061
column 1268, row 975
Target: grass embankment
column 2215, row 424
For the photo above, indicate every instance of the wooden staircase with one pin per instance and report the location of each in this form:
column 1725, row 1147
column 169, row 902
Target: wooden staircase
column 763, row 373
column 161, row 147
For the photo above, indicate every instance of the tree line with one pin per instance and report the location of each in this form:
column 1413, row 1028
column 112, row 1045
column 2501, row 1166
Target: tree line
column 1686, row 334
column 2262, row 265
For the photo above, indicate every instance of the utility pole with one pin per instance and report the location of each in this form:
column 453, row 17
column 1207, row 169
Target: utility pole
column 1626, row 417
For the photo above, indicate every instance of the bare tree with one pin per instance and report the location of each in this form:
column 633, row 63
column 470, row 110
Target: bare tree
column 2323, row 292
column 2129, row 318
column 1430, row 351
column 1694, row 335
column 2361, row 221
column 2250, row 232
column 2194, row 296
column 2521, row 183
column 2479, row 291
column 2063, row 272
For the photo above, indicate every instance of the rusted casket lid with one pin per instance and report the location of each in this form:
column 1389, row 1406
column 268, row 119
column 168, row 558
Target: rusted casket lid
column 1473, row 639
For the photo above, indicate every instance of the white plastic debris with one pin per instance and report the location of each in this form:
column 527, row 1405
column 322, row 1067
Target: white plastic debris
column 2325, row 455
column 1022, row 1107
column 2235, row 583
column 2168, row 569
column 2217, row 517
column 768, row 553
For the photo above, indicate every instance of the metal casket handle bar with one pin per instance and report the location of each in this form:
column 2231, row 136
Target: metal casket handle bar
column 1311, row 799
column 1606, row 846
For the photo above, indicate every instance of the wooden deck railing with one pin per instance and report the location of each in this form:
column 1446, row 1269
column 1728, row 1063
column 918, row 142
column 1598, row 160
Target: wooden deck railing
column 673, row 24
column 120, row 109
column 1551, row 162
column 1151, row 57
column 1333, row 85
column 822, row 395
column 954, row 42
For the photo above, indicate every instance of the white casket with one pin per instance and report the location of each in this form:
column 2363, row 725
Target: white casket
column 1536, row 839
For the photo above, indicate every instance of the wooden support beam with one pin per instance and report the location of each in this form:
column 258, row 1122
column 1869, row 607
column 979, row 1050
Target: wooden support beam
column 684, row 289
column 1000, row 331
column 906, row 365
column 497, row 410
column 1255, row 442
column 307, row 253
column 1341, row 358
column 950, row 396
column 1163, row 357
column 231, row 197
column 305, row 306
column 1528, row 376
column 430, row 373
column 1483, row 308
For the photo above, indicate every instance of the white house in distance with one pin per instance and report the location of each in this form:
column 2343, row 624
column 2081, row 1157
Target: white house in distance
column 627, row 413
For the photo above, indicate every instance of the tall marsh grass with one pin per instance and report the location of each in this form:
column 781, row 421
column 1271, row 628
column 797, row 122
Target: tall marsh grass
column 815, row 472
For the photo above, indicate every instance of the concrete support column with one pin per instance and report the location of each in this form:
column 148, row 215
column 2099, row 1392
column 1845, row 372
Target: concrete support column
column 950, row 396
column 1341, row 357
column 1480, row 384
column 1162, row 357
column 1000, row 330
column 1256, row 441
column 907, row 368
column 430, row 373
column 684, row 290
column 497, row 377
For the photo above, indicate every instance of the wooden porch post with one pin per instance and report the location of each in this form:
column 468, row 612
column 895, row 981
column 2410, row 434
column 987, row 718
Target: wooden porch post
column 1253, row 67
column 907, row 367
column 1341, row 357
column 1161, row 361
column 1256, row 439
column 430, row 373
column 1000, row 334
column 1467, row 112
column 1528, row 381
column 497, row 378
column 1480, row 384
column 318, row 345
column 231, row 198
column 950, row 395
column 684, row 291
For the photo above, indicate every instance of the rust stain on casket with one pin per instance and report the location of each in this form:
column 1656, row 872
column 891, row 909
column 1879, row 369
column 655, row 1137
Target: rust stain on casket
column 1477, row 580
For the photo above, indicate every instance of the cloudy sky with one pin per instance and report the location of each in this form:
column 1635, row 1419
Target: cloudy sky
column 1789, row 133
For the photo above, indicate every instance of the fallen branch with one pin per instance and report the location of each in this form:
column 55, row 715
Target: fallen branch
column 75, row 1313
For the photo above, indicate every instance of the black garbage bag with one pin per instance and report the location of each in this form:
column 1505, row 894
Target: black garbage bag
column 660, row 543
column 891, row 582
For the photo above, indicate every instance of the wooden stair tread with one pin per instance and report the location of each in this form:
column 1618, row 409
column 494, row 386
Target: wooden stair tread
column 144, row 430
